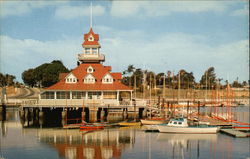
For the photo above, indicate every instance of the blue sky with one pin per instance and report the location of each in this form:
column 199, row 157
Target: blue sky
column 154, row 35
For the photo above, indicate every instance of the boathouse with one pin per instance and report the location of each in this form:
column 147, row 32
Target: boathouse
column 91, row 87
column 90, row 83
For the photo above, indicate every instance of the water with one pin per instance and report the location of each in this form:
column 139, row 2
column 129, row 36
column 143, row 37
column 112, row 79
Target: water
column 17, row 142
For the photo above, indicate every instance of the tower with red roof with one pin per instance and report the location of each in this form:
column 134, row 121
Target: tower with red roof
column 91, row 49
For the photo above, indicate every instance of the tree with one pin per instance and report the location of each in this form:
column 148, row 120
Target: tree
column 130, row 69
column 7, row 80
column 51, row 73
column 44, row 75
column 208, row 79
column 2, row 80
column 28, row 77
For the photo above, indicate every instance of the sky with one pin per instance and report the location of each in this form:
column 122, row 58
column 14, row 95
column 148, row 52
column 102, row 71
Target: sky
column 153, row 35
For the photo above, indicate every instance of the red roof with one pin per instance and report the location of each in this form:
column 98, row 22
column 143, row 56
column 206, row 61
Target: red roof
column 96, row 36
column 62, row 75
column 90, row 43
column 99, row 72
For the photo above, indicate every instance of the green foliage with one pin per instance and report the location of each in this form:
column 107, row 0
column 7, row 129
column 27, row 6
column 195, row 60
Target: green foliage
column 7, row 80
column 44, row 75
column 28, row 77
column 208, row 79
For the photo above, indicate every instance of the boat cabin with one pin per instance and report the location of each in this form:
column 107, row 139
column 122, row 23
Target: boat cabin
column 180, row 122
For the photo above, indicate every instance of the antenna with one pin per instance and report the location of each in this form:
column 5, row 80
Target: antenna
column 90, row 14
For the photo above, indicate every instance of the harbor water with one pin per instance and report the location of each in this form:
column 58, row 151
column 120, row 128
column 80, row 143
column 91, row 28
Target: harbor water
column 17, row 142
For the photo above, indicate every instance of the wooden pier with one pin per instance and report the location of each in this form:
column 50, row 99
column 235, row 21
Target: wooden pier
column 234, row 133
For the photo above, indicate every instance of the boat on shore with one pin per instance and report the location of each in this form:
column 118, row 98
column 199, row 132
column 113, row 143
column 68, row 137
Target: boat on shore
column 181, row 126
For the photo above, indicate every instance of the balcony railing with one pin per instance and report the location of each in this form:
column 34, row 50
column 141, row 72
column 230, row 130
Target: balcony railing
column 81, row 103
column 99, row 57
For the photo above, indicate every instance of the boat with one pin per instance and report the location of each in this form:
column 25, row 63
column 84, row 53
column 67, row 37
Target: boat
column 129, row 123
column 153, row 121
column 181, row 126
column 91, row 126
column 72, row 126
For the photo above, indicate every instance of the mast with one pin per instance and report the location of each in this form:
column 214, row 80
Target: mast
column 91, row 14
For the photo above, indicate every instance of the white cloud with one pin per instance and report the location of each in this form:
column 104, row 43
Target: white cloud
column 18, row 8
column 160, row 8
column 175, row 51
column 168, row 51
column 70, row 12
column 18, row 55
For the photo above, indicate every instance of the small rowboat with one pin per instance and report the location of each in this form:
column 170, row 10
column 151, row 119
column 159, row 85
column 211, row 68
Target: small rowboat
column 129, row 123
column 91, row 126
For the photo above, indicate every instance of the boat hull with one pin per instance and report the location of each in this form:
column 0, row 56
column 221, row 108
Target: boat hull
column 91, row 126
column 152, row 122
column 129, row 124
column 188, row 130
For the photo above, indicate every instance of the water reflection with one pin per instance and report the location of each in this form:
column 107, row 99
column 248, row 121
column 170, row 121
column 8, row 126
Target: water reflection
column 181, row 142
column 17, row 141
column 73, row 144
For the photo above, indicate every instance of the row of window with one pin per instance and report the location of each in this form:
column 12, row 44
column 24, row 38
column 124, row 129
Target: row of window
column 78, row 95
column 71, row 80
column 91, row 51
column 90, row 80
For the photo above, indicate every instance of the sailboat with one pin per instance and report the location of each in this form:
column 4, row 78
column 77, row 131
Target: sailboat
column 152, row 121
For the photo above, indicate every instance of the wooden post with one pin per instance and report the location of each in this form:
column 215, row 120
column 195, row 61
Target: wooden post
column 198, row 110
column 163, row 106
column 135, row 111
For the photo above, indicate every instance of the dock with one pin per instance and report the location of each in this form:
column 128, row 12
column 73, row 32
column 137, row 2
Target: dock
column 234, row 133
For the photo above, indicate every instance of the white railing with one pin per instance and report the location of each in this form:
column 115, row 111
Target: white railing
column 80, row 102
column 96, row 57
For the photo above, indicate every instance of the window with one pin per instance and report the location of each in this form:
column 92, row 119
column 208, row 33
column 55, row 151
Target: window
column 78, row 95
column 87, row 50
column 107, row 79
column 179, row 123
column 94, row 51
column 71, row 78
column 109, row 95
column 62, row 95
column 48, row 95
column 89, row 79
column 90, row 69
column 91, row 38
column 175, row 122
column 94, row 95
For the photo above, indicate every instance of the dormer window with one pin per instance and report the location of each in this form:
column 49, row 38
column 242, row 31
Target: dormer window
column 70, row 78
column 90, row 69
column 107, row 79
column 89, row 79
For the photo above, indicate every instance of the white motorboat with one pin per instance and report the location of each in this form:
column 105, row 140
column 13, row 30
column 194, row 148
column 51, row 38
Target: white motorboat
column 181, row 126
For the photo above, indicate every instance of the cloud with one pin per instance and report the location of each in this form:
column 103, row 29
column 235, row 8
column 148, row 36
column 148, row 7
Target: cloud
column 159, row 53
column 18, row 55
column 19, row 8
column 175, row 51
column 70, row 12
column 160, row 8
